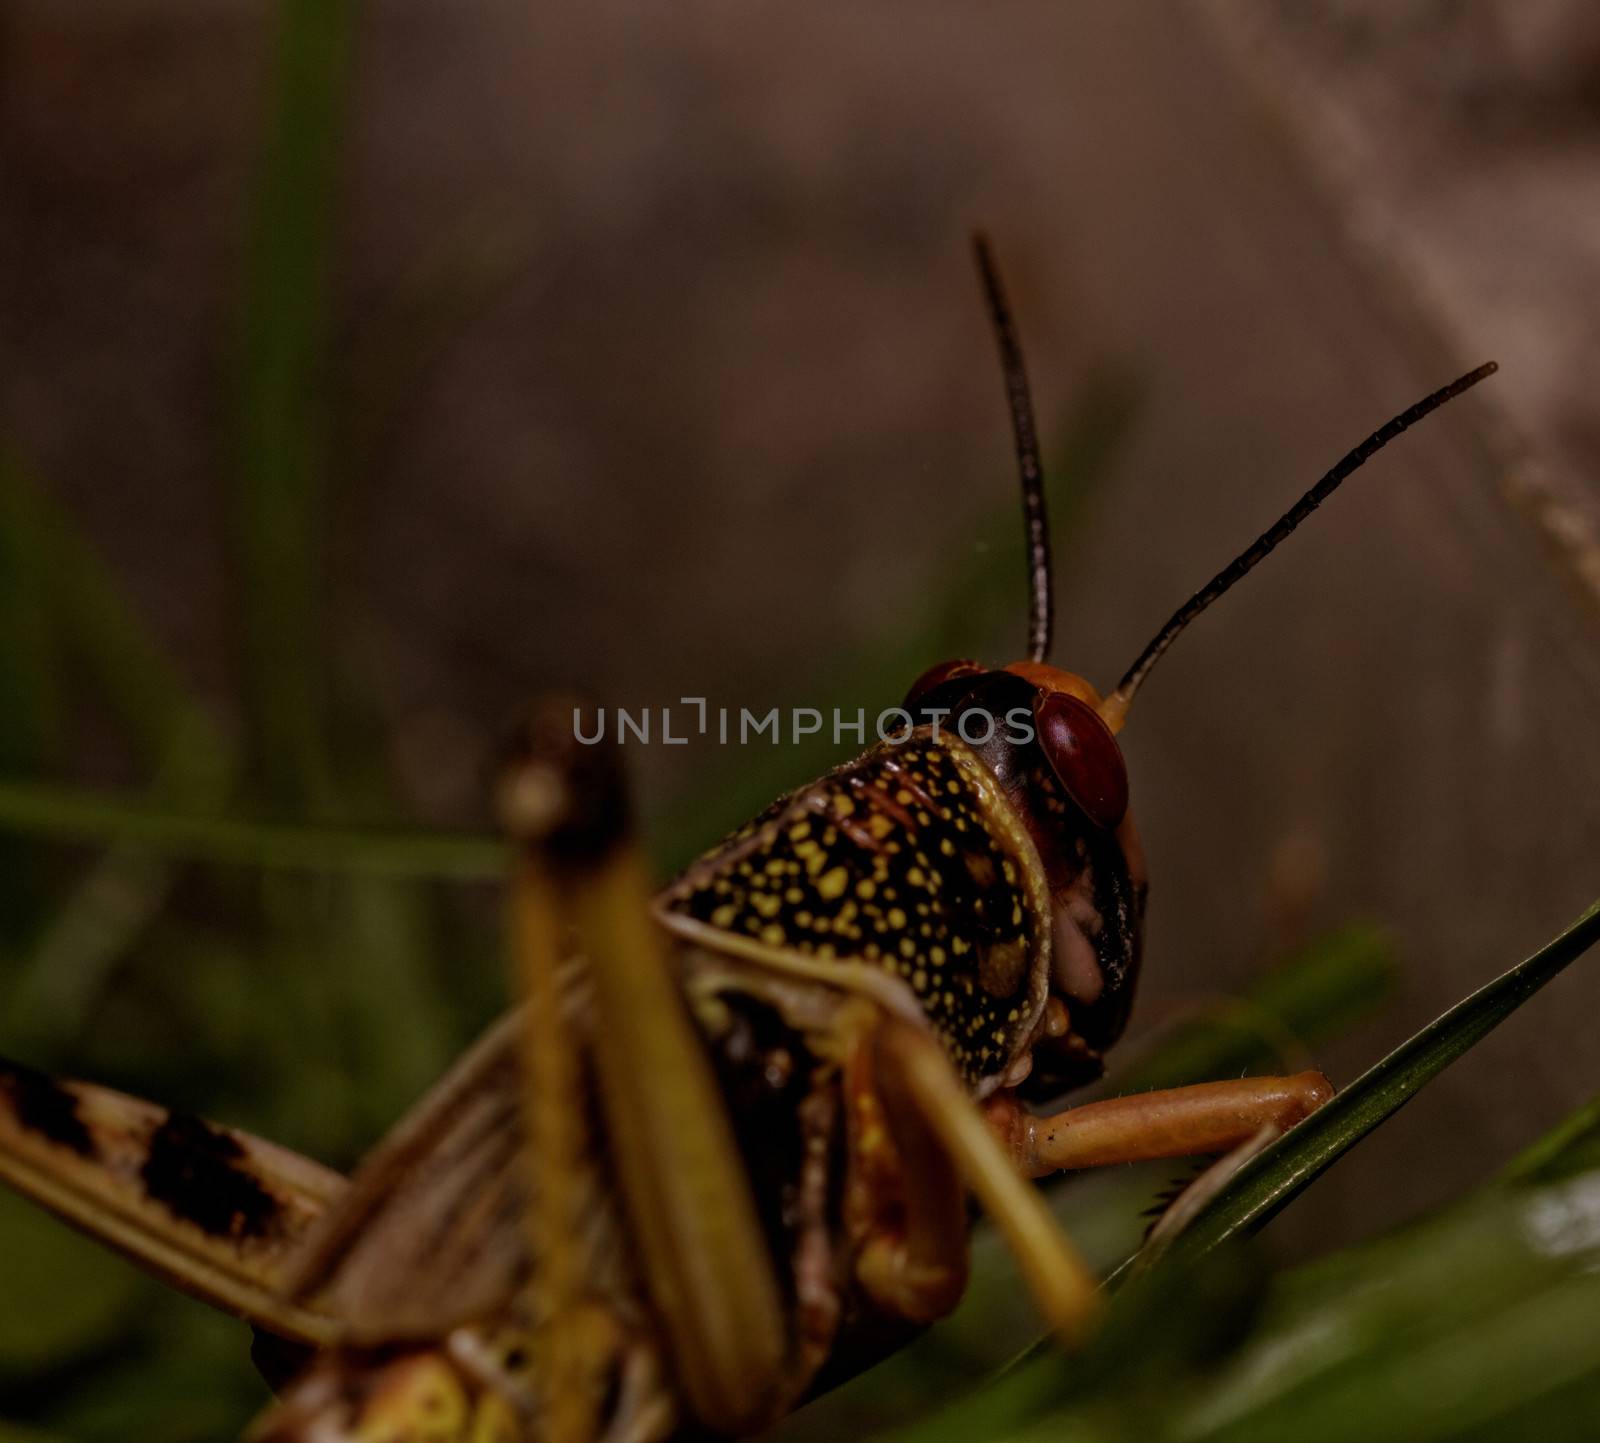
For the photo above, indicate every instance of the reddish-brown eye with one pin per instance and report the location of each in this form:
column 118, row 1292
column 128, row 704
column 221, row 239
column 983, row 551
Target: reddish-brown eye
column 1084, row 756
column 937, row 676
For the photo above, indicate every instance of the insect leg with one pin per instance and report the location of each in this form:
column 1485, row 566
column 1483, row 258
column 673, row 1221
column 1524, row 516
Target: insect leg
column 916, row 1068
column 684, row 1187
column 905, row 1202
column 1209, row 1117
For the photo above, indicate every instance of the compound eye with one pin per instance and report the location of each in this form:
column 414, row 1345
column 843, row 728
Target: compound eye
column 1084, row 755
column 936, row 676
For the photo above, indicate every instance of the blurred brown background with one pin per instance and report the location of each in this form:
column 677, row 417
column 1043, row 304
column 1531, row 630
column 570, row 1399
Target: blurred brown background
column 655, row 366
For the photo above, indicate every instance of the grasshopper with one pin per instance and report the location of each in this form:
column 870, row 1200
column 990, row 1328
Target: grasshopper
column 722, row 1153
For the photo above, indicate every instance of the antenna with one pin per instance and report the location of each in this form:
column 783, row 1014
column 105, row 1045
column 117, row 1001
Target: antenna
column 1041, row 609
column 1119, row 700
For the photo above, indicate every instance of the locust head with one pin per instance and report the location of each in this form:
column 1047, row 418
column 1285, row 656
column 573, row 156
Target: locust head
column 1050, row 739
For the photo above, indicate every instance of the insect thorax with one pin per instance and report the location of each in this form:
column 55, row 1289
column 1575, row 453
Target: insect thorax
column 906, row 873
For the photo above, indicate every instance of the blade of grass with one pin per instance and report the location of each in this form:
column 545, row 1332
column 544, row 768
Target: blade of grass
column 1365, row 1341
column 1572, row 1145
column 281, row 425
column 111, row 904
column 119, row 893
column 143, row 686
column 1267, row 1184
column 85, row 815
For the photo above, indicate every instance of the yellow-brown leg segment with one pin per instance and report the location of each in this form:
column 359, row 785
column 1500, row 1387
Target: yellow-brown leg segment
column 571, row 1368
column 917, row 1076
column 1209, row 1117
column 905, row 1201
column 685, row 1190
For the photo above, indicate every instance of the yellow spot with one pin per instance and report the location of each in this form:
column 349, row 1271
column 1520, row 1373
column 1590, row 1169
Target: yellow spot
column 936, row 956
column 766, row 904
column 908, row 948
column 794, row 895
column 917, row 877
column 842, row 805
column 879, row 826
column 832, row 884
column 799, row 831
column 896, row 919
column 919, row 979
column 723, row 916
column 772, row 934
column 864, row 889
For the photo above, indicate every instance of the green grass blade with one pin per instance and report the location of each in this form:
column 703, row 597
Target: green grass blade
column 1434, row 1331
column 1271, row 1181
column 74, row 948
column 115, row 899
column 73, row 814
column 282, row 425
column 1571, row 1146
column 96, row 618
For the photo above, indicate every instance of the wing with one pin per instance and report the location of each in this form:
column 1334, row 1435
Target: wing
column 211, row 1210
column 430, row 1233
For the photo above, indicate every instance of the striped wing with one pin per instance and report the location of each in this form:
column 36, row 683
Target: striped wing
column 211, row 1210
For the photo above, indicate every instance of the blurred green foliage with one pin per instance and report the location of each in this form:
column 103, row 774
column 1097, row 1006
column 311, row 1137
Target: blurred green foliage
column 307, row 978
column 1477, row 1322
